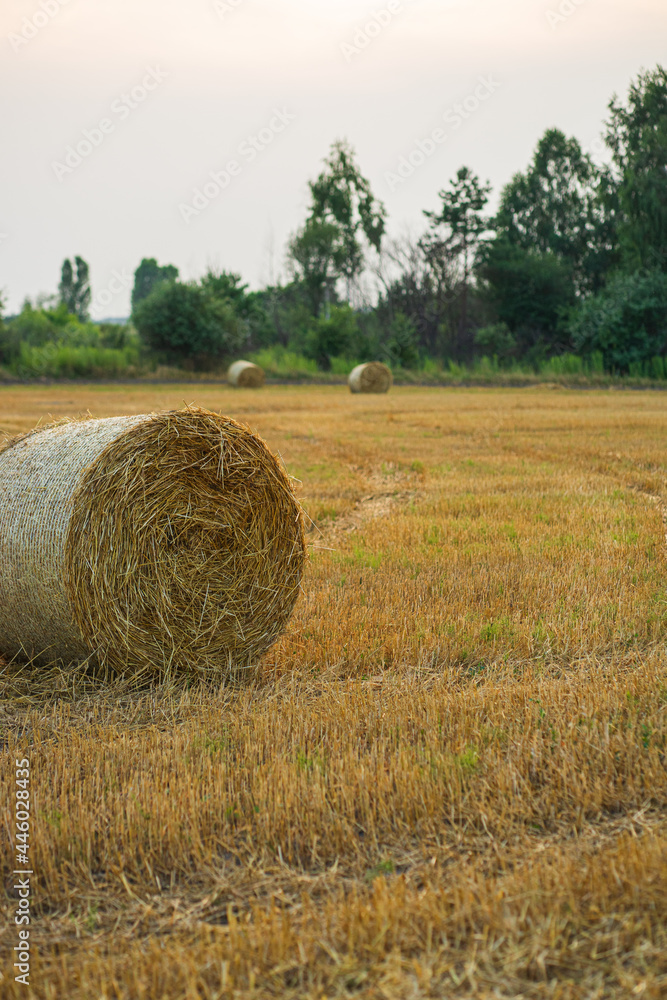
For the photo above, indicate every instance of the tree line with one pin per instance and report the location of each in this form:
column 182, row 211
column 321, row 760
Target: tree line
column 573, row 264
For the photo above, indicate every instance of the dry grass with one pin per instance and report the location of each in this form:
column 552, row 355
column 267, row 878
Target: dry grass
column 451, row 778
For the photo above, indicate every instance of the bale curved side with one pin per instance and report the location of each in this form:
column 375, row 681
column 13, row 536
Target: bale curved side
column 245, row 375
column 174, row 543
column 370, row 377
column 39, row 475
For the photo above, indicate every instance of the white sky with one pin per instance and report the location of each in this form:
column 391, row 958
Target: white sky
column 227, row 70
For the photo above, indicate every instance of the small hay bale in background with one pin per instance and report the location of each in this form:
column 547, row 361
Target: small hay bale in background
column 245, row 375
column 371, row 377
column 153, row 544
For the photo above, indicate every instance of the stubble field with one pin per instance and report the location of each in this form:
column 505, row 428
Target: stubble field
column 449, row 779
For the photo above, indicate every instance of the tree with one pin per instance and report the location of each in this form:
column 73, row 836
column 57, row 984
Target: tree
column 148, row 275
column 497, row 341
column 319, row 257
column 555, row 207
column 331, row 336
column 626, row 320
column 530, row 291
column 456, row 235
column 343, row 213
column 74, row 290
column 250, row 307
column 283, row 316
column 414, row 289
column 402, row 348
column 186, row 323
column 636, row 134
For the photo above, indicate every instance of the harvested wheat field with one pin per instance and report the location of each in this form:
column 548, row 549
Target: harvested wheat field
column 449, row 778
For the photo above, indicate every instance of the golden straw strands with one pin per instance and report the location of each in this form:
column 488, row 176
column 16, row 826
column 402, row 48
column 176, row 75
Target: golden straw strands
column 371, row 377
column 152, row 544
column 245, row 375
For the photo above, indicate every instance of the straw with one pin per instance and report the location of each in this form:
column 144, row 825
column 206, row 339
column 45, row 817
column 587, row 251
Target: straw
column 371, row 377
column 151, row 544
column 245, row 375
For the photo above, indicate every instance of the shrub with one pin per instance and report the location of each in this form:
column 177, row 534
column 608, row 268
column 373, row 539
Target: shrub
column 332, row 337
column 626, row 321
column 185, row 322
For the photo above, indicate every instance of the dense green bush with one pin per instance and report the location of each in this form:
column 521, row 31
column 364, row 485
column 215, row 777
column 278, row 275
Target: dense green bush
column 53, row 343
column 63, row 361
column 331, row 337
column 187, row 323
column 278, row 362
column 529, row 292
column 626, row 321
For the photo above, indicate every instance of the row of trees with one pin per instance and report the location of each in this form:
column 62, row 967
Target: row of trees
column 573, row 261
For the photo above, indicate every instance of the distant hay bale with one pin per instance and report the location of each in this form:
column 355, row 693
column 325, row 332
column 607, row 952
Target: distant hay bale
column 245, row 375
column 154, row 544
column 371, row 377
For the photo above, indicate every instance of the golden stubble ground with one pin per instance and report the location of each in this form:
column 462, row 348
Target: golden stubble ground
column 450, row 779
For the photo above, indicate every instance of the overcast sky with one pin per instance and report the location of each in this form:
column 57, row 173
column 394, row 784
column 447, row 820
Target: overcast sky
column 115, row 113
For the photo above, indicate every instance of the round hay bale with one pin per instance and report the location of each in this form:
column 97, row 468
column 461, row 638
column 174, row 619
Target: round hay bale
column 153, row 544
column 245, row 375
column 371, row 377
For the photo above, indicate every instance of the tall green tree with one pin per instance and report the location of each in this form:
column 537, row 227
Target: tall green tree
column 456, row 234
column 318, row 256
column 248, row 306
column 345, row 218
column 636, row 134
column 531, row 292
column 74, row 287
column 148, row 275
column 555, row 208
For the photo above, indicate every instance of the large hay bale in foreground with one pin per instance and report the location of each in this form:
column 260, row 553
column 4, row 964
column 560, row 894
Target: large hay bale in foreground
column 371, row 377
column 153, row 544
column 245, row 375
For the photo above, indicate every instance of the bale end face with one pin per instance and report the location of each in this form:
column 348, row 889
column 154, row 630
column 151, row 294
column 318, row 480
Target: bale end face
column 167, row 544
column 245, row 375
column 370, row 377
